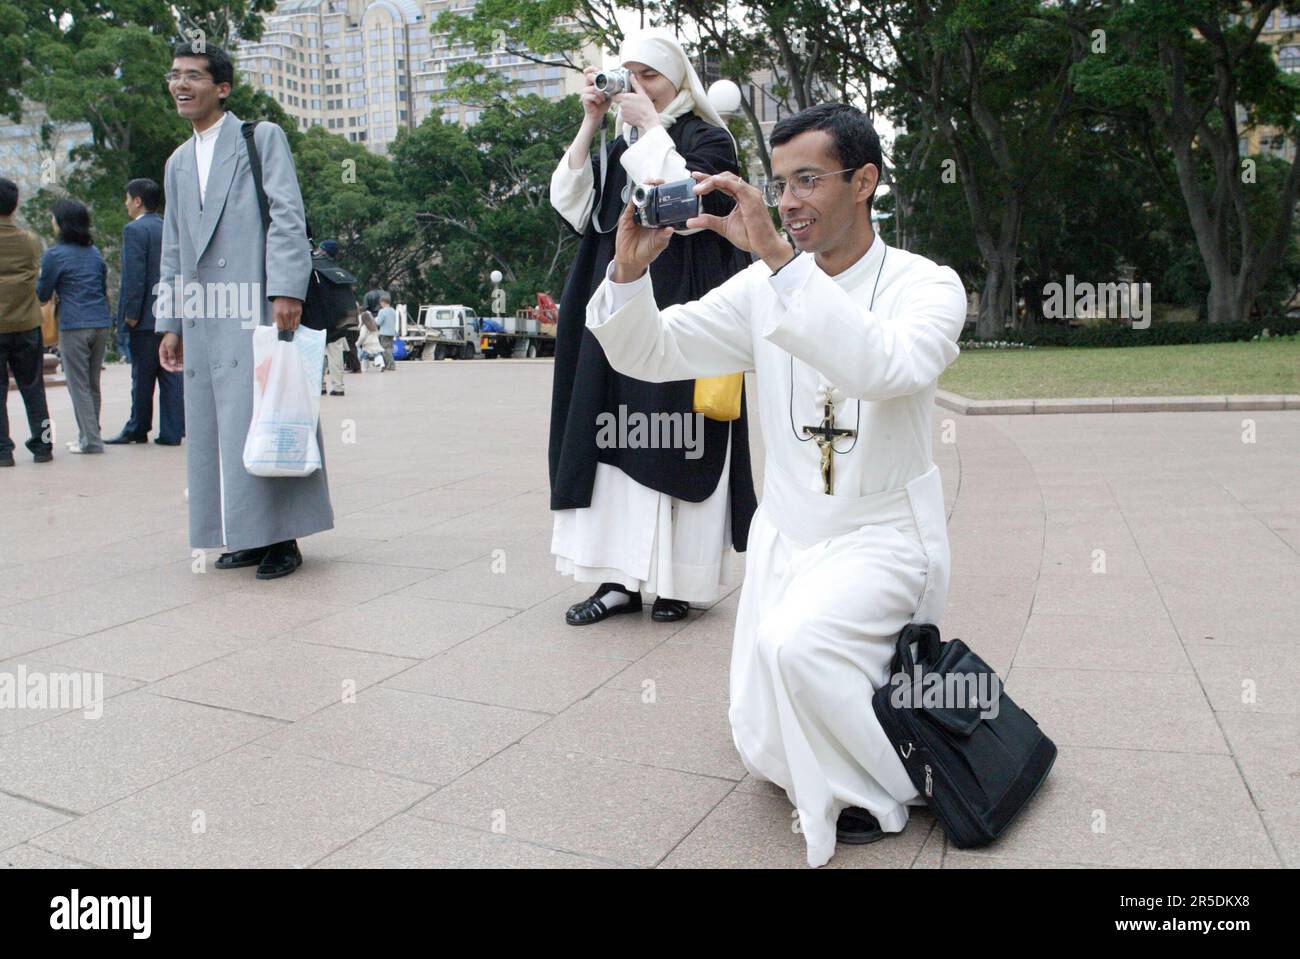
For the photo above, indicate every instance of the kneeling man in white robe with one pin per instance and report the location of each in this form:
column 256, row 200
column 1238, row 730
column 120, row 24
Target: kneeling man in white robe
column 849, row 545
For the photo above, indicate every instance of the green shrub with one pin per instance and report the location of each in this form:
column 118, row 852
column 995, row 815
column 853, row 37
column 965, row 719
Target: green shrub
column 1120, row 333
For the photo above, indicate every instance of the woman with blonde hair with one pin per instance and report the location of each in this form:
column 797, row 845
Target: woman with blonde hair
column 642, row 517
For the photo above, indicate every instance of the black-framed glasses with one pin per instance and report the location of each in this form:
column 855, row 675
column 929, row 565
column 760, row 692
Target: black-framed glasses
column 189, row 76
column 802, row 185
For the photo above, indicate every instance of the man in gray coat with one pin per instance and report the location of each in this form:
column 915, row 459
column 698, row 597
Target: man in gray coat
column 223, row 273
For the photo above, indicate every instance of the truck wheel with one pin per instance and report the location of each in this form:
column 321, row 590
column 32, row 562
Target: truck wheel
column 439, row 352
column 532, row 351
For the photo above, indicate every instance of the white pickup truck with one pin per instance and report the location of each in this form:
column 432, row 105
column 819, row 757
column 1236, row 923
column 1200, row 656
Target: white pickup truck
column 451, row 330
column 456, row 331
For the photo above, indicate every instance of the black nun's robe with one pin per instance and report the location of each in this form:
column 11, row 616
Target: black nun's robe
column 585, row 386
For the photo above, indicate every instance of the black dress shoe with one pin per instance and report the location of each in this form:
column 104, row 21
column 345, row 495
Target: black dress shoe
column 669, row 610
column 123, row 438
column 241, row 558
column 857, row 827
column 281, row 560
column 162, row 442
column 43, row 456
column 592, row 610
column 6, row 459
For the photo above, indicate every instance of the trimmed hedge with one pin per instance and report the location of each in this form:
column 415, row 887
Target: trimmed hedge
column 1120, row 333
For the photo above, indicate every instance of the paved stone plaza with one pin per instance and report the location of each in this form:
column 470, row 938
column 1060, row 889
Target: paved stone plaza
column 413, row 697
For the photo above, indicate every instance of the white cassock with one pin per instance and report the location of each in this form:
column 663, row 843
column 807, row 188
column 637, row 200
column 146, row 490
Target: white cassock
column 631, row 534
column 830, row 581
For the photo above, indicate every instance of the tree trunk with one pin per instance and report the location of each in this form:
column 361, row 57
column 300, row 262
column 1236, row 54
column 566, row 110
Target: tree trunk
column 995, row 297
column 1221, row 304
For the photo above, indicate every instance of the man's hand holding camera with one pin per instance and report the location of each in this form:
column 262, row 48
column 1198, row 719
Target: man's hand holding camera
column 748, row 226
column 636, row 247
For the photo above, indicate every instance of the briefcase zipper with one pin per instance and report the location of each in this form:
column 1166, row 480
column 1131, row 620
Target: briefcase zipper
column 929, row 781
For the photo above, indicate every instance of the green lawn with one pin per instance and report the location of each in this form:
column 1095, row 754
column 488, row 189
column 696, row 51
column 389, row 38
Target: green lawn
column 1266, row 367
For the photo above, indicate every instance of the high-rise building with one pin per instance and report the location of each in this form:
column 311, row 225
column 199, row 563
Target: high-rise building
column 33, row 161
column 1282, row 32
column 367, row 68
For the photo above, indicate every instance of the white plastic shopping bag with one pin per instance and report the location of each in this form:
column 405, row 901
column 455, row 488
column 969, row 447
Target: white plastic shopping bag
column 286, row 403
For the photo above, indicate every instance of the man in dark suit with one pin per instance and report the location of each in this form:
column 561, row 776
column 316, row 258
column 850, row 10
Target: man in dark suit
column 141, row 254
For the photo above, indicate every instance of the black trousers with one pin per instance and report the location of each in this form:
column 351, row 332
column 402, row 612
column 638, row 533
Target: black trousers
column 146, row 371
column 350, row 361
column 21, row 354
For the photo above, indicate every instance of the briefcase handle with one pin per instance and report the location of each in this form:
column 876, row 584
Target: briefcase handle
column 926, row 637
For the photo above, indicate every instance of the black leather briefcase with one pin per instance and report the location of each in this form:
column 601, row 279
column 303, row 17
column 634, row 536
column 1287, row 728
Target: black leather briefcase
column 973, row 754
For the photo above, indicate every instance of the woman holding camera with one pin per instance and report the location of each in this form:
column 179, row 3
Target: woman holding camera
column 633, row 516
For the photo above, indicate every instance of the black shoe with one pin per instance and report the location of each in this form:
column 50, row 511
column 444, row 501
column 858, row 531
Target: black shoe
column 123, row 438
column 43, row 456
column 281, row 560
column 592, row 610
column 857, row 827
column 336, row 392
column 6, row 459
column 162, row 442
column 668, row 610
column 241, row 558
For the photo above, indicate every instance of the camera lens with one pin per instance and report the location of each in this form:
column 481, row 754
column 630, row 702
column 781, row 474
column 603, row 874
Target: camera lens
column 640, row 196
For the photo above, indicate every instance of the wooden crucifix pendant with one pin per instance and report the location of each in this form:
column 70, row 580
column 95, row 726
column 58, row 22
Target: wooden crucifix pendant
column 825, row 435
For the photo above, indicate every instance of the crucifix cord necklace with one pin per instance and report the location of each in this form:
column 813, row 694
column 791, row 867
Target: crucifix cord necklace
column 858, row 425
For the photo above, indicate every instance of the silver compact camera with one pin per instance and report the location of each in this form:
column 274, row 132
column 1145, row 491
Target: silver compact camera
column 668, row 204
column 613, row 82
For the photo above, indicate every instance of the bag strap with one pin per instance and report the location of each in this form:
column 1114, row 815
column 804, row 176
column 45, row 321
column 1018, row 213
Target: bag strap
column 255, row 164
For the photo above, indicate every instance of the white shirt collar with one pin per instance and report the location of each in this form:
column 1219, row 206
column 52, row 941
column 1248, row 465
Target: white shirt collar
column 211, row 132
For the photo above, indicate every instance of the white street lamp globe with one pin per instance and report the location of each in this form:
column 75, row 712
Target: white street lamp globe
column 725, row 97
column 496, row 276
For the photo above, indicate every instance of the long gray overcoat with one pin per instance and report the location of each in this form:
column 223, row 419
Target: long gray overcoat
column 230, row 267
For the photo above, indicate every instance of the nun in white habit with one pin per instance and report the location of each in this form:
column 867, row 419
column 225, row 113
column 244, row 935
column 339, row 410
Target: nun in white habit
column 628, row 516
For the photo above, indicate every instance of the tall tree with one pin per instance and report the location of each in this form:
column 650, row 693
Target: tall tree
column 1190, row 71
column 989, row 79
column 478, row 199
column 347, row 192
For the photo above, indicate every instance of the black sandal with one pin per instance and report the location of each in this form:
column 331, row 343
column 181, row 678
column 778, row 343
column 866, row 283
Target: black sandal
column 669, row 610
column 592, row 610
column 857, row 827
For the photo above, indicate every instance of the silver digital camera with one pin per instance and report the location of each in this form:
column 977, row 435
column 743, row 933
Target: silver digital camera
column 669, row 204
column 613, row 82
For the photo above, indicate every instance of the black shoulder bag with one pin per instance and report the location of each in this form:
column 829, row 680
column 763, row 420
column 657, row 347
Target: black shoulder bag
column 976, row 761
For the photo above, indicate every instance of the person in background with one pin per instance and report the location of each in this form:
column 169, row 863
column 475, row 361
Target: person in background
column 387, row 320
column 20, row 330
column 141, row 255
column 368, row 345
column 351, row 361
column 74, row 269
column 335, row 339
